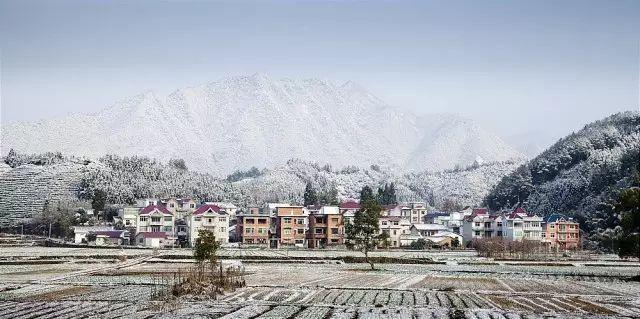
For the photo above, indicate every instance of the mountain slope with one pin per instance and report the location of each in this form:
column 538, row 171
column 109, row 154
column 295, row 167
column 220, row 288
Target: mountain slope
column 31, row 180
column 241, row 122
column 579, row 175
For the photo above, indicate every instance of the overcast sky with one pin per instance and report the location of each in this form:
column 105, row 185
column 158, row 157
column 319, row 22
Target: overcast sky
column 516, row 66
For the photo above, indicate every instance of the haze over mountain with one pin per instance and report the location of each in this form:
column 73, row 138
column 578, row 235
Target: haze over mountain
column 245, row 121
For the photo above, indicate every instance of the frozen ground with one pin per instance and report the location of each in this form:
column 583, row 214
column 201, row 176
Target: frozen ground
column 100, row 283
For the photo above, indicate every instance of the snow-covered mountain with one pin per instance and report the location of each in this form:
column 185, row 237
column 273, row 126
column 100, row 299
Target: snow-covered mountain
column 239, row 122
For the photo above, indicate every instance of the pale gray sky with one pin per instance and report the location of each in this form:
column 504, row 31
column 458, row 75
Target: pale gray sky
column 515, row 66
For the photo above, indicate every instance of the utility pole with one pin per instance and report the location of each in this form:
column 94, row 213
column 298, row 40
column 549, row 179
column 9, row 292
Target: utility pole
column 49, row 230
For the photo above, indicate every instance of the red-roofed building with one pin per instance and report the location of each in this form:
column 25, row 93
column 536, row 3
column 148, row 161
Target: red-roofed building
column 348, row 210
column 155, row 218
column 212, row 218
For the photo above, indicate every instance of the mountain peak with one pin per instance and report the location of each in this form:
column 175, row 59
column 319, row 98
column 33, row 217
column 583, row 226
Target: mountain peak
column 244, row 121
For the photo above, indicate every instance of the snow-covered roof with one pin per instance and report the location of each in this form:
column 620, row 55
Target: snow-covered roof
column 152, row 208
column 429, row 226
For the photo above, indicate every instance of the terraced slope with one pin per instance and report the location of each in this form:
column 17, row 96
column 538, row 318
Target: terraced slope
column 25, row 189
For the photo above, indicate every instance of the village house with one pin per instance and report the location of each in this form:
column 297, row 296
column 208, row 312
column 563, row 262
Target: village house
column 80, row 232
column 348, row 210
column 253, row 227
column 155, row 218
column 395, row 227
column 453, row 220
column 154, row 239
column 561, row 232
column 111, row 237
column 326, row 226
column 291, row 227
column 517, row 225
column 417, row 212
column 211, row 218
column 181, row 208
column 226, row 207
column 436, row 235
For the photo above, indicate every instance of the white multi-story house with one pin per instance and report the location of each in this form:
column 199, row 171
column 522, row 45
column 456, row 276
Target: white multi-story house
column 348, row 210
column 212, row 218
column 228, row 208
column 417, row 212
column 180, row 207
column 155, row 218
column 517, row 225
column 129, row 214
column 395, row 227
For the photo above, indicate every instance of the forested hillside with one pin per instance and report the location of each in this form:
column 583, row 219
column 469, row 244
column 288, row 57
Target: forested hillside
column 124, row 179
column 580, row 175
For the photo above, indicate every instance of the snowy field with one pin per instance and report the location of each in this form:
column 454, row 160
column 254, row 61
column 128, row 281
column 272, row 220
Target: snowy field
column 100, row 283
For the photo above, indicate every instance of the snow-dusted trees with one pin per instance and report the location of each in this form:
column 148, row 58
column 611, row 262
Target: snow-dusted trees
column 580, row 175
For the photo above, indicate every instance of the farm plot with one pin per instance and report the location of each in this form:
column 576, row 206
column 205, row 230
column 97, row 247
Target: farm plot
column 460, row 283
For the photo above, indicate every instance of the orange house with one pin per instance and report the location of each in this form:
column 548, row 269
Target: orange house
column 561, row 232
column 253, row 227
column 326, row 227
column 291, row 226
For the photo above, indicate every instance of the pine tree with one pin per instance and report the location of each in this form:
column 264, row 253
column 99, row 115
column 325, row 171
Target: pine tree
column 391, row 195
column 628, row 206
column 363, row 233
column 366, row 194
column 310, row 195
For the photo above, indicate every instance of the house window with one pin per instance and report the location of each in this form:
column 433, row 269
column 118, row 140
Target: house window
column 334, row 231
column 394, row 232
column 334, row 220
column 478, row 233
column 168, row 228
column 319, row 220
column 300, row 231
column 156, row 219
column 143, row 218
column 499, row 224
column 222, row 229
column 143, row 229
column 222, row 219
column 262, row 230
column 287, row 231
column 248, row 230
column 319, row 231
column 249, row 221
column 197, row 219
column 299, row 241
column 287, row 220
column 127, row 222
column 396, row 223
column 477, row 224
column 168, row 218
column 384, row 223
column 300, row 221
column 192, row 205
column 499, row 233
column 487, row 225
column 209, row 220
column 261, row 221
column 414, row 219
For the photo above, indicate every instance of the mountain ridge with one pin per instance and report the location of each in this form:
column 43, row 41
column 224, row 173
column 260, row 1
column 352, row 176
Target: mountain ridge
column 245, row 121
